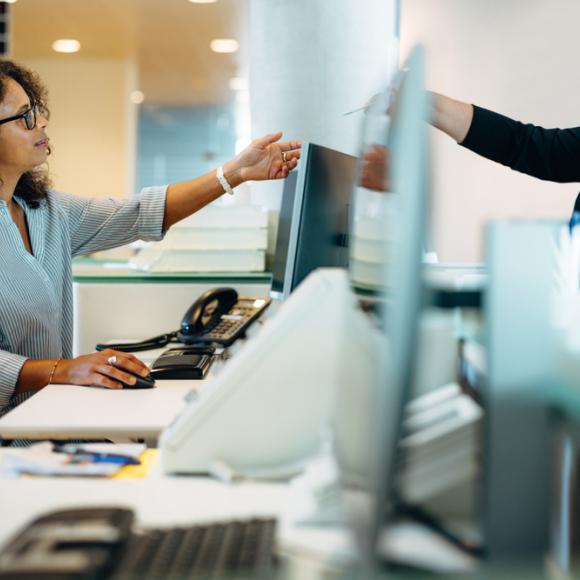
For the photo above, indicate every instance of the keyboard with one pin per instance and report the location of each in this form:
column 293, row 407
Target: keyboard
column 101, row 543
column 229, row 550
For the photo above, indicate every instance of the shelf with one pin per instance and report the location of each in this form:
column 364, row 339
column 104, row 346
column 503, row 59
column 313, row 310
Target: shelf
column 91, row 270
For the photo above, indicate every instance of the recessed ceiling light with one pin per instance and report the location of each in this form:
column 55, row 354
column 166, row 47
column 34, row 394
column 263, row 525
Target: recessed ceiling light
column 137, row 97
column 224, row 45
column 239, row 84
column 202, row 1
column 66, row 45
column 8, row 1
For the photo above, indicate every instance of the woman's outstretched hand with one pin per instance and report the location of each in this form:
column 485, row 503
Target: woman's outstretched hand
column 265, row 158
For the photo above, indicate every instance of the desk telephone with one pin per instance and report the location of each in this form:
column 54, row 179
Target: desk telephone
column 218, row 316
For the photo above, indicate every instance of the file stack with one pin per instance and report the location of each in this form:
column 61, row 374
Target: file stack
column 218, row 238
column 370, row 247
column 441, row 445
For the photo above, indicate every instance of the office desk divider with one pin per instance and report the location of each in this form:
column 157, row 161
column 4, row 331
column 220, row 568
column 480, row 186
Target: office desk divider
column 523, row 266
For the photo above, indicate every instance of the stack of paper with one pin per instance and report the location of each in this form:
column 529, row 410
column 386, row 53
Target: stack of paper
column 442, row 443
column 218, row 238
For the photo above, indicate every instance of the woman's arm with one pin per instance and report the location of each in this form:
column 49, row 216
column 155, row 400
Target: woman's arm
column 264, row 158
column 451, row 116
column 549, row 154
column 97, row 224
column 91, row 369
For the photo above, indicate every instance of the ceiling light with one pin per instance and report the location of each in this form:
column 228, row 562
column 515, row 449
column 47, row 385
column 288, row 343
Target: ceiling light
column 8, row 1
column 238, row 84
column 66, row 45
column 137, row 97
column 224, row 45
column 202, row 1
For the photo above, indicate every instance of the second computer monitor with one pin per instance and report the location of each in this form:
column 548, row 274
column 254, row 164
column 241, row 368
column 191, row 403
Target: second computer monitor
column 314, row 217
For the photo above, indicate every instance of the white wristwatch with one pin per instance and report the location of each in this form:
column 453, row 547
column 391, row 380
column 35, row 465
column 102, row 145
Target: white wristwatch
column 224, row 182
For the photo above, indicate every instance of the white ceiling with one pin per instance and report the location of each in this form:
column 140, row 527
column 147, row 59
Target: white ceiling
column 169, row 40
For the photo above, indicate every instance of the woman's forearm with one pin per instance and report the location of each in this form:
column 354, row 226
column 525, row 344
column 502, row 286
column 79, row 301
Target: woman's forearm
column 451, row 116
column 264, row 158
column 187, row 197
column 35, row 374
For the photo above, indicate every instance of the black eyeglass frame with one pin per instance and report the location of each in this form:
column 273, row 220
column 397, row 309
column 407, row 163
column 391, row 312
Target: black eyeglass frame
column 31, row 112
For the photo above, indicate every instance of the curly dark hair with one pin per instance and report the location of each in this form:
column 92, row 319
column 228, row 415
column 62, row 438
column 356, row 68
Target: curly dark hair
column 33, row 185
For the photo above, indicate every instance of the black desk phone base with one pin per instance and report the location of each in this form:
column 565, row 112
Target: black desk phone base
column 218, row 316
column 100, row 543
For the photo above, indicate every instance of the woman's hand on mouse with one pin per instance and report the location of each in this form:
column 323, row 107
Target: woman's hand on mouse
column 109, row 369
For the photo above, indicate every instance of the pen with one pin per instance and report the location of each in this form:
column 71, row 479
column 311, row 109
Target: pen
column 75, row 449
column 82, row 456
column 355, row 111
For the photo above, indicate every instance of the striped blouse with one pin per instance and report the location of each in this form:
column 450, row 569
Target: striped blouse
column 36, row 306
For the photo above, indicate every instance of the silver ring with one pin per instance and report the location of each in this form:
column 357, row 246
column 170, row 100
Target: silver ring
column 112, row 360
column 284, row 159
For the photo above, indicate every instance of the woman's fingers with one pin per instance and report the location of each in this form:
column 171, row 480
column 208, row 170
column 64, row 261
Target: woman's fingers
column 290, row 146
column 291, row 155
column 114, row 369
column 101, row 379
column 263, row 142
column 128, row 362
column 115, row 376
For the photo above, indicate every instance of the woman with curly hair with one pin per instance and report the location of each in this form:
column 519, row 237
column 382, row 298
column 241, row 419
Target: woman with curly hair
column 41, row 230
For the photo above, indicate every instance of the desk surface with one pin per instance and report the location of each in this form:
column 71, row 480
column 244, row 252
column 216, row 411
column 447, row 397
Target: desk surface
column 164, row 501
column 87, row 269
column 71, row 412
column 157, row 501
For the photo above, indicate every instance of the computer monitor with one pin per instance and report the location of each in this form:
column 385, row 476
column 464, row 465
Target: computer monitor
column 314, row 217
column 396, row 202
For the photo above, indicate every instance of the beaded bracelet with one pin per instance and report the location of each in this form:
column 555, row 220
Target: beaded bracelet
column 52, row 371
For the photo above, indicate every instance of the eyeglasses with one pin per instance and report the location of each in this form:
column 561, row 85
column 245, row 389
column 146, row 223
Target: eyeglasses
column 29, row 117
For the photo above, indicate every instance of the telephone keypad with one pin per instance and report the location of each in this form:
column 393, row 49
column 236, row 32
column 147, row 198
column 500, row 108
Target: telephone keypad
column 233, row 324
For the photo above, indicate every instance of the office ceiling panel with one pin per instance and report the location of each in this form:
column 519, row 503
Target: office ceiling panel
column 169, row 40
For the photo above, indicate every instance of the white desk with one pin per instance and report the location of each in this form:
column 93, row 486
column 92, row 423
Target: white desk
column 165, row 501
column 158, row 502
column 314, row 552
column 71, row 412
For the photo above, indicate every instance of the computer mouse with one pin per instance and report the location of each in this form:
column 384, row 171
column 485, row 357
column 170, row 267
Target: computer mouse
column 147, row 382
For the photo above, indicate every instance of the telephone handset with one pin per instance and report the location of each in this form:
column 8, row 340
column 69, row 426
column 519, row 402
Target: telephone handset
column 206, row 312
column 218, row 316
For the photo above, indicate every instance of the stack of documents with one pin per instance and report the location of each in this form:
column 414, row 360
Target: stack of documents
column 218, row 238
column 441, row 443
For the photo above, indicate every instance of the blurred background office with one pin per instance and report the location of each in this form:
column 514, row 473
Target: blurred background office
column 149, row 96
column 514, row 57
column 148, row 91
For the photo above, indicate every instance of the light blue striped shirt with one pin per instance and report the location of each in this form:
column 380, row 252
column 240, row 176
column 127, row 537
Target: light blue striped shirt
column 36, row 306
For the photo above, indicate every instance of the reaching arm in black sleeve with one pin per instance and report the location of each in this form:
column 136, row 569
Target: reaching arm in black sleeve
column 549, row 154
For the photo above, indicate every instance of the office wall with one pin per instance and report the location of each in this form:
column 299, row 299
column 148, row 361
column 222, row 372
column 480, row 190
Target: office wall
column 517, row 57
column 93, row 123
column 311, row 61
column 178, row 143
